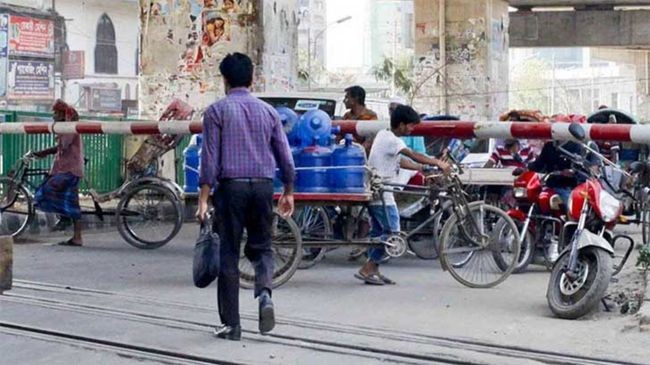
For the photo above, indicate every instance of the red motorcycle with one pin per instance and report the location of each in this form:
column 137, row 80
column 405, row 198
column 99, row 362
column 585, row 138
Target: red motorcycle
column 581, row 275
column 539, row 215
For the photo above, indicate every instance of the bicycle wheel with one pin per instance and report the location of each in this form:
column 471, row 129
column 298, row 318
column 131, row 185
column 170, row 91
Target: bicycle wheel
column 287, row 253
column 149, row 216
column 467, row 249
column 428, row 249
column 16, row 208
column 526, row 253
column 315, row 225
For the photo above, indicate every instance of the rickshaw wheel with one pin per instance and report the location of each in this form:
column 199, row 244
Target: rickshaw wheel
column 287, row 253
column 149, row 216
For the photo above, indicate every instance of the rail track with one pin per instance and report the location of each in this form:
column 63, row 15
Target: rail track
column 369, row 343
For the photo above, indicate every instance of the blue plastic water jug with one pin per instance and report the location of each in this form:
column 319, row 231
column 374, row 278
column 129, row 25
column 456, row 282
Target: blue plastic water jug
column 314, row 124
column 314, row 179
column 289, row 120
column 348, row 178
column 192, row 156
column 278, row 186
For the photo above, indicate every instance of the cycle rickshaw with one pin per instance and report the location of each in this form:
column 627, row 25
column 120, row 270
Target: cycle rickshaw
column 149, row 210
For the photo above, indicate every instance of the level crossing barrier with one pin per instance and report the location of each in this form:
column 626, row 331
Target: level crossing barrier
column 638, row 133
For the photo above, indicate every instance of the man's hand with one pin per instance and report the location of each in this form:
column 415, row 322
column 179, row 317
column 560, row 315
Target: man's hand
column 285, row 205
column 201, row 211
column 444, row 166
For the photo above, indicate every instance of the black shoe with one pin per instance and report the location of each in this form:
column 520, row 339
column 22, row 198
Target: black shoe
column 267, row 314
column 228, row 333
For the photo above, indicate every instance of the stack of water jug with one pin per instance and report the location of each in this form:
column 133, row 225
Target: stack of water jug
column 322, row 166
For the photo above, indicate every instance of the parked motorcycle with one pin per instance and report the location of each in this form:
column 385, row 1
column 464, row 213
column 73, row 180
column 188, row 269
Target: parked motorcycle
column 539, row 215
column 581, row 275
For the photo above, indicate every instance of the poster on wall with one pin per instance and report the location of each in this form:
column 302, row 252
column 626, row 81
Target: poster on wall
column 4, row 43
column 31, row 36
column 30, row 80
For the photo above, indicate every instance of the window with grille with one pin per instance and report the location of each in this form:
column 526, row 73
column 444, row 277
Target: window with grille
column 105, row 49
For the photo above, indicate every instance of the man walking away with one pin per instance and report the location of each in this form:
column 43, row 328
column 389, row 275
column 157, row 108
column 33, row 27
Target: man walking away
column 243, row 142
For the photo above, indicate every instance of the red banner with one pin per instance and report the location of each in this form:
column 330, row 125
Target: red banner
column 31, row 36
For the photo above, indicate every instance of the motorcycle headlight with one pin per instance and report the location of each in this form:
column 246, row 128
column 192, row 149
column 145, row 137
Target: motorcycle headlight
column 609, row 206
column 520, row 193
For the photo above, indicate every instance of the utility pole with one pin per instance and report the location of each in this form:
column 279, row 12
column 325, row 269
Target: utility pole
column 339, row 21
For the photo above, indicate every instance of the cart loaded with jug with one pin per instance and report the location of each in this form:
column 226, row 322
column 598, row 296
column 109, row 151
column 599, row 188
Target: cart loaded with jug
column 333, row 189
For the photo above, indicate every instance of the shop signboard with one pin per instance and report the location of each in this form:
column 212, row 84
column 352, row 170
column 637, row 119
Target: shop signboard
column 73, row 65
column 104, row 99
column 31, row 37
column 30, row 80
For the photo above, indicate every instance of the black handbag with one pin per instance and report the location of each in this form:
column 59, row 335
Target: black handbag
column 205, row 267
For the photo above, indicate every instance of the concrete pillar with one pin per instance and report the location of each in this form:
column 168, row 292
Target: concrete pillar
column 462, row 57
column 183, row 44
column 6, row 262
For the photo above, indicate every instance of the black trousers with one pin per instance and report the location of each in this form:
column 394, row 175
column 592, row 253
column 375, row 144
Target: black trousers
column 238, row 205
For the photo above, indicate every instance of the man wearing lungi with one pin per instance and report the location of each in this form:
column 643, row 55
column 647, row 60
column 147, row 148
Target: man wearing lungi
column 59, row 193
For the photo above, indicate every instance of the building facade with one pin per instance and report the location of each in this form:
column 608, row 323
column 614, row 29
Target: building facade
column 573, row 80
column 99, row 72
column 30, row 40
column 85, row 52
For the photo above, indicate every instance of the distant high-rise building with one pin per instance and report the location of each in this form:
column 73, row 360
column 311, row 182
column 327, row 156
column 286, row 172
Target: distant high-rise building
column 390, row 31
column 311, row 30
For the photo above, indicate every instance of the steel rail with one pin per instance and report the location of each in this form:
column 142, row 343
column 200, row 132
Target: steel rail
column 442, row 341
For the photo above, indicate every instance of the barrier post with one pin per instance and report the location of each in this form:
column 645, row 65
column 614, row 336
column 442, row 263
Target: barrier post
column 6, row 262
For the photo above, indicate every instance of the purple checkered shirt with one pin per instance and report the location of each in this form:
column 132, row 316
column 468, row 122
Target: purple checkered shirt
column 243, row 138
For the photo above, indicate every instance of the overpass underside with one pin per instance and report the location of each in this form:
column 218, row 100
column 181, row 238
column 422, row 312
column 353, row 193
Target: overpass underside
column 461, row 47
column 580, row 23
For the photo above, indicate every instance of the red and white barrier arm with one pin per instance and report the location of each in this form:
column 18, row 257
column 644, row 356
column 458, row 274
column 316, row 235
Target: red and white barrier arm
column 455, row 129
column 96, row 127
column 638, row 133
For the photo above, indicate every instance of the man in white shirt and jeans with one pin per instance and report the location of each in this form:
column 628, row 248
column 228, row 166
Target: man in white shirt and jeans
column 388, row 154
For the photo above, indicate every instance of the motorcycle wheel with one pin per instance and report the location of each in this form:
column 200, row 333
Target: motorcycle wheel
column 526, row 253
column 573, row 299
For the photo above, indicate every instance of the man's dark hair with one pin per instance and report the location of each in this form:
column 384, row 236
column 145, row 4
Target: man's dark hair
column 404, row 114
column 358, row 93
column 237, row 69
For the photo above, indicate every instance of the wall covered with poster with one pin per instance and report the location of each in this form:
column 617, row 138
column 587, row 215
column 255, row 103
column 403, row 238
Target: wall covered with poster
column 26, row 59
column 4, row 48
column 183, row 42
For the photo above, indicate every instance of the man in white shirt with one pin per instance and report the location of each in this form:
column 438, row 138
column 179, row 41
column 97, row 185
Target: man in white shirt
column 386, row 159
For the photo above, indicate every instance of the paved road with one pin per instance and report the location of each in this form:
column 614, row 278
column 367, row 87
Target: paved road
column 146, row 299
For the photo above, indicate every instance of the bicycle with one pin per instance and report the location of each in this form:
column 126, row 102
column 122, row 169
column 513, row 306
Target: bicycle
column 468, row 235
